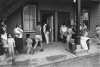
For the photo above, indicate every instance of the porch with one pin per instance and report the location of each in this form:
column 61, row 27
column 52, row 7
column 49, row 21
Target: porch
column 54, row 53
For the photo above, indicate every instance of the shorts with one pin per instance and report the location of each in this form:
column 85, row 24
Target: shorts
column 38, row 38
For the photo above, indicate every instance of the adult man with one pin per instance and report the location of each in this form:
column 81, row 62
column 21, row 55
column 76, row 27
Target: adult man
column 38, row 37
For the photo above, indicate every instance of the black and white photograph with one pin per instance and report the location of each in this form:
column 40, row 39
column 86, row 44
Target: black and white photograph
column 49, row 33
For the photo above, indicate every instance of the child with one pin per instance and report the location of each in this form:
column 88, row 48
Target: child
column 11, row 44
column 29, row 43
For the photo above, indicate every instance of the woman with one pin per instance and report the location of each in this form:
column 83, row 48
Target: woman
column 18, row 38
column 4, row 35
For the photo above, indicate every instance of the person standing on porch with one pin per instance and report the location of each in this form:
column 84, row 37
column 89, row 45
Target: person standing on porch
column 64, row 32
column 47, row 33
column 18, row 38
column 4, row 35
column 70, row 32
column 44, row 30
column 38, row 37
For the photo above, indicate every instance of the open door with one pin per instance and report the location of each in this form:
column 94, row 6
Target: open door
column 48, row 17
column 50, row 22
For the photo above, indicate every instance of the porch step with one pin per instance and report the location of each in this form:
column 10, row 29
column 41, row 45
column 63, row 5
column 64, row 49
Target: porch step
column 2, row 58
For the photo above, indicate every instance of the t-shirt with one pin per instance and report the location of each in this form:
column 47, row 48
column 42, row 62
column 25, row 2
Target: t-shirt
column 29, row 42
column 38, row 30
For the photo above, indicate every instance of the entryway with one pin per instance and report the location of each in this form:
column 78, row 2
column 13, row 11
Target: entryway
column 63, row 17
column 48, row 17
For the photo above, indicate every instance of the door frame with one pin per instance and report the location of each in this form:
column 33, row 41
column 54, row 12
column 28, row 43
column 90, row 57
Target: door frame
column 65, row 23
column 48, row 12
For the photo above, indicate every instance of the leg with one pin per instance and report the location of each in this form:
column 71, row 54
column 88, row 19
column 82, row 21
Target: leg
column 40, row 39
column 28, row 50
column 41, row 46
column 46, row 37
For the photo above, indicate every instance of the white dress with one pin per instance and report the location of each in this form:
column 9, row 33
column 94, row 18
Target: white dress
column 11, row 45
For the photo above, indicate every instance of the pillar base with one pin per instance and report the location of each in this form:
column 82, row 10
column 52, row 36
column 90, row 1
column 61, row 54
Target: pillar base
column 2, row 58
column 79, row 50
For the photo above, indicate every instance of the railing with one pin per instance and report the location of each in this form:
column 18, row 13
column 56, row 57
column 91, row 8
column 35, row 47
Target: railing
column 4, row 3
column 11, row 7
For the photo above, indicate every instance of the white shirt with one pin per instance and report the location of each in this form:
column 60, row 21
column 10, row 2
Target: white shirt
column 4, row 36
column 11, row 42
column 64, row 29
column 44, row 28
column 18, row 32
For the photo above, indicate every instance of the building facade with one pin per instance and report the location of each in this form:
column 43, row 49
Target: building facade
column 55, row 13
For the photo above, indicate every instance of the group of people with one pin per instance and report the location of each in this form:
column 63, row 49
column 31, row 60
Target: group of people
column 10, row 44
column 68, row 34
column 14, row 45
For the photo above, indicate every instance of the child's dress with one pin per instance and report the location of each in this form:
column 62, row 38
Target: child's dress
column 29, row 42
column 11, row 45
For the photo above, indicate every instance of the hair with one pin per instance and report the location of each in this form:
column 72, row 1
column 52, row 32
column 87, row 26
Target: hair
column 63, row 24
column 17, row 25
column 38, row 23
column 96, row 25
column 10, row 34
column 27, row 35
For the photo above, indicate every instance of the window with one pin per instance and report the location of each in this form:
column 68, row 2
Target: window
column 85, row 17
column 29, row 18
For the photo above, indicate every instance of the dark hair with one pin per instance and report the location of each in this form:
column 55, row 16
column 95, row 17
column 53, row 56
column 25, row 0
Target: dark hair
column 63, row 23
column 96, row 25
column 38, row 23
column 17, row 25
column 27, row 35
column 9, row 33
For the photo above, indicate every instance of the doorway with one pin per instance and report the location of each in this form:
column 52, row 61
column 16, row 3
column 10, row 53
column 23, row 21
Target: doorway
column 63, row 17
column 48, row 17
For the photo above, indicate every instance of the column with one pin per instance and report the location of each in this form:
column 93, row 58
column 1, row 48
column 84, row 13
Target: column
column 78, row 14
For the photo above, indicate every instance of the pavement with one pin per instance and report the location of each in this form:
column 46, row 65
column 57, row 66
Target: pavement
column 53, row 52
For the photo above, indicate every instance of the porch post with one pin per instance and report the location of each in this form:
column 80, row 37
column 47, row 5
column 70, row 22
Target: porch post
column 78, row 14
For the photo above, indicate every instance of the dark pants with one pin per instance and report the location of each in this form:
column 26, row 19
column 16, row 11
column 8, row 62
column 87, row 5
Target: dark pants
column 64, row 39
column 1, row 49
column 19, row 45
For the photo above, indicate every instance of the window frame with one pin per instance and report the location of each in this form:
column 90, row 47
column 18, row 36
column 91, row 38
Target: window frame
column 87, row 8
column 29, row 17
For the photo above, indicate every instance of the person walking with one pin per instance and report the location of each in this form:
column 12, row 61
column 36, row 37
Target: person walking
column 29, row 43
column 44, row 30
column 11, row 44
column 18, row 38
column 38, row 37
column 64, row 32
column 47, row 33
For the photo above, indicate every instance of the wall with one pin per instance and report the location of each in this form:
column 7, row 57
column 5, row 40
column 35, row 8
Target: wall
column 55, row 6
column 94, row 16
column 94, row 19
column 16, row 17
column 13, row 19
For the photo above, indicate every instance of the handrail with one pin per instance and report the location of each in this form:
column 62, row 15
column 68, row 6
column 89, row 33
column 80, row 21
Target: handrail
column 3, row 4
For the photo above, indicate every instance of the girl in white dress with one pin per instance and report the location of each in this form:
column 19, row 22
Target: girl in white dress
column 11, row 44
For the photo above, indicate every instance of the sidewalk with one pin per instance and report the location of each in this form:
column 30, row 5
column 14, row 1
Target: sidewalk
column 53, row 52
